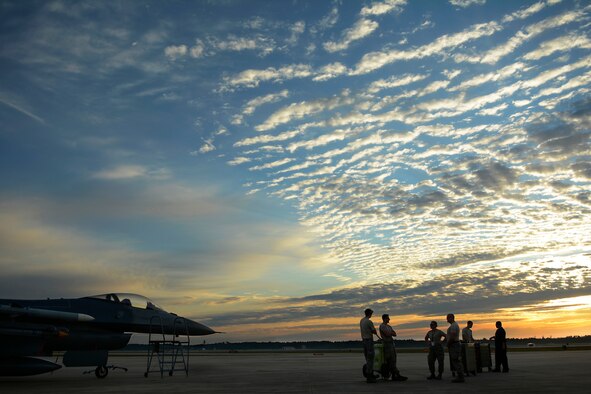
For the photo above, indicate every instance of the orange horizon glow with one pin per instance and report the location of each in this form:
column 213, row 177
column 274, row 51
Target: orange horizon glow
column 570, row 317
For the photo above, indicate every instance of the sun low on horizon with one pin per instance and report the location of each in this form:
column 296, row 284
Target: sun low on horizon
column 273, row 168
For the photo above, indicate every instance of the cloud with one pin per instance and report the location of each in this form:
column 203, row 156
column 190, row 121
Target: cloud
column 577, row 84
column 197, row 50
column 239, row 160
column 80, row 264
column 495, row 176
column 527, row 34
column 299, row 110
column 461, row 104
column 232, row 43
column 466, row 3
column 213, row 45
column 375, row 60
column 506, row 72
column 207, row 146
column 175, row 51
column 93, row 50
column 361, row 29
column 56, row 239
column 560, row 44
column 395, row 81
column 270, row 165
column 264, row 139
column 123, row 172
column 253, row 104
column 296, row 31
column 252, row 78
column 326, row 22
column 383, row 7
column 560, row 137
column 358, row 198
column 529, row 11
column 498, row 110
column 330, row 71
column 484, row 292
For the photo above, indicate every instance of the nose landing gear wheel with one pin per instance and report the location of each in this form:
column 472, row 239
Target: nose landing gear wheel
column 101, row 372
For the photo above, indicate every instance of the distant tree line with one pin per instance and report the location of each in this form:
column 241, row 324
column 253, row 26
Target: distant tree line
column 344, row 345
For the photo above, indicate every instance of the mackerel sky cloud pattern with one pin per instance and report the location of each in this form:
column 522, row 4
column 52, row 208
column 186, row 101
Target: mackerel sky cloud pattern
column 439, row 165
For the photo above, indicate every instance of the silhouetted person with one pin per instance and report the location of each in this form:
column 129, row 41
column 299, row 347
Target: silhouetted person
column 467, row 333
column 500, row 339
column 367, row 332
column 455, row 348
column 388, row 334
column 433, row 339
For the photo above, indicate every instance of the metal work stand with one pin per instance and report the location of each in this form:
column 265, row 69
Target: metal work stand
column 168, row 353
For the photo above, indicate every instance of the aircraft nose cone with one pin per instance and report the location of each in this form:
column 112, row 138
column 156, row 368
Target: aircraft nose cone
column 199, row 329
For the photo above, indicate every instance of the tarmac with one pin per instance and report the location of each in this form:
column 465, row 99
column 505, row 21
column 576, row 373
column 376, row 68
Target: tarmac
column 283, row 372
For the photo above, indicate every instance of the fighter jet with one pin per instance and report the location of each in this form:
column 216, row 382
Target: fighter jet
column 84, row 328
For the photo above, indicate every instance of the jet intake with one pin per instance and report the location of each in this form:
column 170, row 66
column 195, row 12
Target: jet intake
column 89, row 340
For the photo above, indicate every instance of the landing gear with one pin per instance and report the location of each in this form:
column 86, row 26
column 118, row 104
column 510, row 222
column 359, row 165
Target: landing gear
column 101, row 371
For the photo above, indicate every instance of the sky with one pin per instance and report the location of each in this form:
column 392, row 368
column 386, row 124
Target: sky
column 273, row 168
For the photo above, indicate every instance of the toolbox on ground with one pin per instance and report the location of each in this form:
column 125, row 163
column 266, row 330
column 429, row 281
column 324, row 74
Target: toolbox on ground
column 483, row 359
column 469, row 358
column 379, row 364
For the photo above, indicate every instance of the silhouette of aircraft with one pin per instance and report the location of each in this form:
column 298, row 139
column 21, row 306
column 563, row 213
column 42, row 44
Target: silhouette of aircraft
column 84, row 328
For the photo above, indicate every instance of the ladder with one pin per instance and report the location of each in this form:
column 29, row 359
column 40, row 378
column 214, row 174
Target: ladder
column 168, row 353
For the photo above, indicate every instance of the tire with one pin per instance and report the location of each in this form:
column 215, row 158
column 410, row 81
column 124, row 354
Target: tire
column 101, row 372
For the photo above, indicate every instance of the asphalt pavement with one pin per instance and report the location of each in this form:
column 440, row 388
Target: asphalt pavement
column 283, row 372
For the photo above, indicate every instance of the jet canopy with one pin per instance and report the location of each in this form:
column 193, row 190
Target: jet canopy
column 135, row 300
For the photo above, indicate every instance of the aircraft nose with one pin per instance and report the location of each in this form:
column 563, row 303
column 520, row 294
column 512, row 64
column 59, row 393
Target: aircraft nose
column 198, row 328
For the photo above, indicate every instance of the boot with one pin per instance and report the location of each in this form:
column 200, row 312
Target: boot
column 399, row 378
column 458, row 379
column 431, row 377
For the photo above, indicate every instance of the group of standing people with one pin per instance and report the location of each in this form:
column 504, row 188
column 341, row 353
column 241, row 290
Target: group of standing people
column 435, row 339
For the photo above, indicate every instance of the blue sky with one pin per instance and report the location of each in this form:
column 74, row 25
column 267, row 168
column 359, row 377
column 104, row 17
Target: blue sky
column 281, row 165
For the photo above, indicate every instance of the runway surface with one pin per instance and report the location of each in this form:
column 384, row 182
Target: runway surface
column 278, row 372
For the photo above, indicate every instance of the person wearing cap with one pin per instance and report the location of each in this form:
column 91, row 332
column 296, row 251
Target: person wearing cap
column 434, row 340
column 455, row 348
column 368, row 330
column 388, row 334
